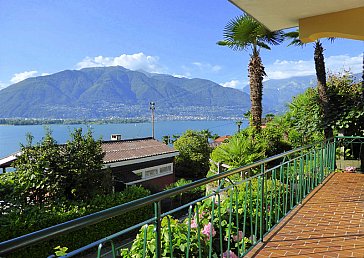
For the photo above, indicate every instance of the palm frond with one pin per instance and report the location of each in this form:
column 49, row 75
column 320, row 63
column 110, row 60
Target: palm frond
column 263, row 45
column 243, row 31
column 295, row 40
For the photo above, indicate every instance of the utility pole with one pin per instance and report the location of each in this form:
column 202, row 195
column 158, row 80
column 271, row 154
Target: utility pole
column 238, row 123
column 152, row 108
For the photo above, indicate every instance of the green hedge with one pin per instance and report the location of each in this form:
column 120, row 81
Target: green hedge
column 16, row 222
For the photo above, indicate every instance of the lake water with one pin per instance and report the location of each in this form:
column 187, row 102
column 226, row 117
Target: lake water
column 12, row 136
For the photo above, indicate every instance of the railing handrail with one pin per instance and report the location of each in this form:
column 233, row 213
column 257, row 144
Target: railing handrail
column 78, row 223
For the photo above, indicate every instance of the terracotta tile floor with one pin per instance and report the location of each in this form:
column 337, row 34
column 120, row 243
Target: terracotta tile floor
column 329, row 223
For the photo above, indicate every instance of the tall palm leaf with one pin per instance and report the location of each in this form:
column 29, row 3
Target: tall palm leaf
column 320, row 75
column 243, row 33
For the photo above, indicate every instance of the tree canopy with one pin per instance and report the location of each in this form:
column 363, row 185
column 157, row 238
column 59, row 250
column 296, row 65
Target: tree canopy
column 47, row 171
column 194, row 152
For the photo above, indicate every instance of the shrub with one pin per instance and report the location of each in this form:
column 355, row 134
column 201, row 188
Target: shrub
column 187, row 196
column 216, row 232
column 17, row 221
column 193, row 158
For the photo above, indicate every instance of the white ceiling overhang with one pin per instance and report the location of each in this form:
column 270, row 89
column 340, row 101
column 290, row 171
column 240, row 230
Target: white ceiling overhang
column 315, row 18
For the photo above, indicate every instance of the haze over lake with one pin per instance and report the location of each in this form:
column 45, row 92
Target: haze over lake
column 12, row 136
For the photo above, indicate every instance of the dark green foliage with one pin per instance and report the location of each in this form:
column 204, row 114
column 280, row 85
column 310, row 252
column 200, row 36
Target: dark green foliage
column 347, row 109
column 17, row 221
column 305, row 117
column 47, row 172
column 240, row 202
column 239, row 150
column 193, row 158
column 243, row 149
column 187, row 196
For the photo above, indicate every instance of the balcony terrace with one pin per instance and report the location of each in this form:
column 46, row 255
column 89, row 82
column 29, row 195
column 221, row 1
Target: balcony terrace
column 291, row 204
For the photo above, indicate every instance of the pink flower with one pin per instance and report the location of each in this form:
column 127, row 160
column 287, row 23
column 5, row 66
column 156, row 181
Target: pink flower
column 229, row 254
column 201, row 214
column 208, row 228
column 193, row 223
column 238, row 237
column 350, row 169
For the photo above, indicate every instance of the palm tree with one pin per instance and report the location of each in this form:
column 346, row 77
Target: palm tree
column 242, row 33
column 321, row 78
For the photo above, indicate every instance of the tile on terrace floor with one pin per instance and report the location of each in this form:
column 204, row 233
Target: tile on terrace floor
column 329, row 223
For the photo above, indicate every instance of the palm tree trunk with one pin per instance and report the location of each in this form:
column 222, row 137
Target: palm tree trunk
column 322, row 87
column 256, row 74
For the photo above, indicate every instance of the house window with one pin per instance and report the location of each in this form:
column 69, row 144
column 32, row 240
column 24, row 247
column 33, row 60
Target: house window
column 165, row 169
column 153, row 172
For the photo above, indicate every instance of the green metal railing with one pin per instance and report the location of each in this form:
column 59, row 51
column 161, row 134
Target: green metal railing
column 239, row 208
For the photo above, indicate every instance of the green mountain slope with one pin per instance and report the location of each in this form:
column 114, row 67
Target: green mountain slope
column 104, row 92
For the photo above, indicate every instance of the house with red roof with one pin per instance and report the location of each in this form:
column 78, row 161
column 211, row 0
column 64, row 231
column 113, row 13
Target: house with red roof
column 142, row 161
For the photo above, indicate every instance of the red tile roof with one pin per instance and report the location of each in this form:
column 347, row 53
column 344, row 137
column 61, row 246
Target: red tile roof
column 222, row 138
column 134, row 149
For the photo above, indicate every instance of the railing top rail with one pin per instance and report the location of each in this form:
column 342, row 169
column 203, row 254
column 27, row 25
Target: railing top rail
column 349, row 137
column 72, row 225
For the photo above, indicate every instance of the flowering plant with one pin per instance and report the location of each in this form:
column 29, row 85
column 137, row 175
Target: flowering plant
column 350, row 169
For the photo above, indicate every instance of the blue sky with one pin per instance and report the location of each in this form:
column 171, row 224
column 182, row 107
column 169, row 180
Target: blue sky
column 39, row 37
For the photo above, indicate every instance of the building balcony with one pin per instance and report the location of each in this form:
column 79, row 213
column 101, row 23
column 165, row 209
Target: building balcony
column 300, row 203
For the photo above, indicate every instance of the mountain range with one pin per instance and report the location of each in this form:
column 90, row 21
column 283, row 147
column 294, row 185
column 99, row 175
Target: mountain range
column 106, row 92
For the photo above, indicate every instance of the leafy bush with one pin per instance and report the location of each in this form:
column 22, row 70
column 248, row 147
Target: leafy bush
column 187, row 196
column 219, row 232
column 17, row 221
column 48, row 172
column 193, row 158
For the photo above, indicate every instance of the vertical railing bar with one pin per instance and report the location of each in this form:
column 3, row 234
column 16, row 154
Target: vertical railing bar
column 211, row 226
column 309, row 172
column 198, row 232
column 99, row 250
column 315, row 165
column 271, row 201
column 262, row 203
column 295, row 188
column 220, row 228
column 245, row 211
column 305, row 176
column 170, row 234
column 145, row 240
column 301, row 178
column 287, row 187
column 279, row 194
column 189, row 231
column 283, row 186
column 275, row 194
column 333, row 155
column 157, row 213
column 251, row 208
column 237, row 218
column 257, row 205
column 230, row 220
column 321, row 164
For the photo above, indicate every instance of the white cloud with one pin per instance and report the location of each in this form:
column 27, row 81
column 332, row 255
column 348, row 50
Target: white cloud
column 206, row 67
column 45, row 74
column 18, row 77
column 138, row 61
column 186, row 75
column 345, row 62
column 282, row 69
column 232, row 84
